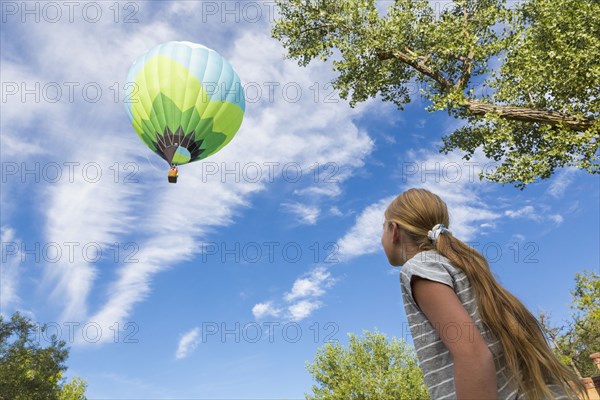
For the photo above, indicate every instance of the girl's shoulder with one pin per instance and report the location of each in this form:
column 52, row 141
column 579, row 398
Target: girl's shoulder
column 430, row 260
column 430, row 265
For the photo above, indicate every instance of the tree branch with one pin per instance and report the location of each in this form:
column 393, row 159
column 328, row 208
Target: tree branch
column 528, row 115
column 416, row 64
column 468, row 62
column 466, row 71
column 478, row 108
column 312, row 28
column 553, row 337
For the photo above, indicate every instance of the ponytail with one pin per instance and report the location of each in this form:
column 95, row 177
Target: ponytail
column 526, row 351
column 529, row 358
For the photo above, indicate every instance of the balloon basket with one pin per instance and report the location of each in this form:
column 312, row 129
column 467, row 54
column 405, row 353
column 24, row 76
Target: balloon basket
column 172, row 179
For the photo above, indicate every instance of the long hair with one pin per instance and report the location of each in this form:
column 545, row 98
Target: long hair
column 528, row 356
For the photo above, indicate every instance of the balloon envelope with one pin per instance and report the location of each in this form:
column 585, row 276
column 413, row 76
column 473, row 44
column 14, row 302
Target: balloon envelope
column 186, row 101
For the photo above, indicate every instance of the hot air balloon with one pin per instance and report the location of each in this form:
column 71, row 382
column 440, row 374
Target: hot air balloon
column 187, row 102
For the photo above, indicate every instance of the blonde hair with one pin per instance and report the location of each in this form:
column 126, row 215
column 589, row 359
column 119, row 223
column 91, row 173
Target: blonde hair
column 527, row 353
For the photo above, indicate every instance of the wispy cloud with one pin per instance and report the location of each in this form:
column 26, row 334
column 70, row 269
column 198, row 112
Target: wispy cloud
column 389, row 138
column 524, row 212
column 529, row 212
column 9, row 269
column 305, row 214
column 188, row 343
column 322, row 190
column 561, row 182
column 71, row 208
column 335, row 211
column 557, row 218
column 22, row 106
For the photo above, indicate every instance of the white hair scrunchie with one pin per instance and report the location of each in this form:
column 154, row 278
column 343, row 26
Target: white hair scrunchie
column 436, row 231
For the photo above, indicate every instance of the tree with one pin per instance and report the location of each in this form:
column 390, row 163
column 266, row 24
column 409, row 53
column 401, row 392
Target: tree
column 369, row 368
column 74, row 390
column 580, row 337
column 30, row 371
column 538, row 112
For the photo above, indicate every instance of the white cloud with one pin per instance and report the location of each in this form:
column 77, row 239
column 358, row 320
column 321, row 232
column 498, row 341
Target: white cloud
column 313, row 285
column 9, row 268
column 529, row 212
column 389, row 138
column 364, row 237
column 303, row 309
column 335, row 211
column 308, row 288
column 557, row 218
column 267, row 309
column 187, row 343
column 524, row 212
column 323, row 190
column 561, row 182
column 305, row 214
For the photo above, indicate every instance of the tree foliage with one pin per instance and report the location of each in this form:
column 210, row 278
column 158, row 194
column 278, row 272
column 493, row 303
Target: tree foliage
column 74, row 390
column 369, row 368
column 580, row 336
column 30, row 371
column 537, row 112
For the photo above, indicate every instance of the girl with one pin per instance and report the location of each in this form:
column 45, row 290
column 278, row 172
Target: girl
column 473, row 339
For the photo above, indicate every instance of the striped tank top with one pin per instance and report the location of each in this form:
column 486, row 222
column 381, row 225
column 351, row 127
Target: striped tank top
column 433, row 356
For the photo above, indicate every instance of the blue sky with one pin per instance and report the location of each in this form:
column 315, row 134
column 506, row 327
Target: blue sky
column 166, row 309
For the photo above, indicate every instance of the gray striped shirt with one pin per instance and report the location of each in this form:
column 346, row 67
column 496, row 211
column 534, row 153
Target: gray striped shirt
column 434, row 357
